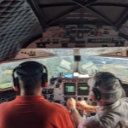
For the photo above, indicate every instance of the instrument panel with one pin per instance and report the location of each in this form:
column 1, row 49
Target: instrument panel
column 58, row 90
column 65, row 88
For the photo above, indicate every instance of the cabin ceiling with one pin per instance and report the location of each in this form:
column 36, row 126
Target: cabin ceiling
column 22, row 21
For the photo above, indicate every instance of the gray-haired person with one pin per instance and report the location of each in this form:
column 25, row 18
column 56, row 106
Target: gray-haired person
column 112, row 111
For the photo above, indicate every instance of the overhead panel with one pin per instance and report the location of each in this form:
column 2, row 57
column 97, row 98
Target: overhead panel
column 19, row 23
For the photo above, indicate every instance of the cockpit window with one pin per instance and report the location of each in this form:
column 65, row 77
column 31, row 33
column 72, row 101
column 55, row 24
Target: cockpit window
column 92, row 64
column 55, row 66
column 61, row 62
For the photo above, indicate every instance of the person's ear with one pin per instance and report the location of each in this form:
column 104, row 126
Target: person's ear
column 45, row 84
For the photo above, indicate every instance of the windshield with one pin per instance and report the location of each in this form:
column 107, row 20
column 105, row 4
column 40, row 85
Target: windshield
column 92, row 64
column 55, row 65
column 89, row 64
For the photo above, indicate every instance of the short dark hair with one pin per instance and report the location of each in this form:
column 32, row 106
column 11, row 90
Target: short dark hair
column 30, row 73
column 30, row 83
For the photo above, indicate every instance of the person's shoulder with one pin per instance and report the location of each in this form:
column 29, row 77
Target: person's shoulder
column 59, row 107
column 8, row 103
column 52, row 106
column 124, row 104
column 99, row 121
column 124, row 99
column 5, row 105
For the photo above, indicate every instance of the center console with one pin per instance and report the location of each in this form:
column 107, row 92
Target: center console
column 68, row 87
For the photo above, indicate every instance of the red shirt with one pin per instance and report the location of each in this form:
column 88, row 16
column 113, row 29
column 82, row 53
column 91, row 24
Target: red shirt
column 34, row 112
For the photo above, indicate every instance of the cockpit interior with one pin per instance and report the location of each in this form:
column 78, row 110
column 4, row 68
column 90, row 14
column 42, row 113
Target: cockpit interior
column 74, row 39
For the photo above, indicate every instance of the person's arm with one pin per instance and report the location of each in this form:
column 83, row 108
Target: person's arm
column 76, row 117
column 82, row 105
column 71, row 104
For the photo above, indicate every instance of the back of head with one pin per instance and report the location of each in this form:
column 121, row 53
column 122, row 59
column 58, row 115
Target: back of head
column 28, row 75
column 109, row 87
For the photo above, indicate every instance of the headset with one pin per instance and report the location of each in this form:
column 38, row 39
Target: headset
column 97, row 92
column 21, row 70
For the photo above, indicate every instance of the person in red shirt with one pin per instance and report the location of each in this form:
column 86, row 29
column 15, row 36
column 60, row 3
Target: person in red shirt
column 30, row 109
